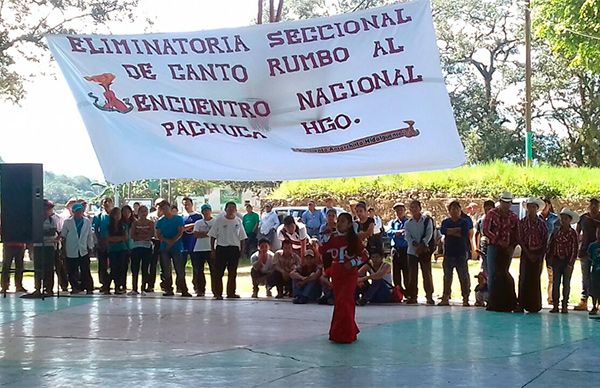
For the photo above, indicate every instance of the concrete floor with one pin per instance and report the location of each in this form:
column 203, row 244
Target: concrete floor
column 80, row 341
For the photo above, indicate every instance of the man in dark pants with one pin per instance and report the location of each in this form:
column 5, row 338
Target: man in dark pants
column 154, row 216
column 189, row 239
column 418, row 233
column 77, row 242
column 586, row 227
column 100, row 226
column 169, row 230
column 44, row 253
column 228, row 233
column 399, row 244
column 12, row 251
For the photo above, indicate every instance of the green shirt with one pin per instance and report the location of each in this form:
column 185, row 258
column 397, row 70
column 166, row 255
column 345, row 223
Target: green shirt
column 250, row 221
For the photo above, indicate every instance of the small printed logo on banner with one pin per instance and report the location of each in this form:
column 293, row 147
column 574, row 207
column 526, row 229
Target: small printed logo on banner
column 394, row 134
column 112, row 103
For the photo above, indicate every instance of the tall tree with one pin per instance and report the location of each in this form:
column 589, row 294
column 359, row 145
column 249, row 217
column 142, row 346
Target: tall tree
column 24, row 23
column 573, row 29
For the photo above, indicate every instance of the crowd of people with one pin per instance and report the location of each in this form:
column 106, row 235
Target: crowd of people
column 325, row 257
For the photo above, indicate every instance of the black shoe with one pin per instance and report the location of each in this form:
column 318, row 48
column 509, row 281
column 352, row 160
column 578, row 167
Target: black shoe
column 217, row 297
column 411, row 301
column 149, row 290
column 299, row 300
column 89, row 293
column 430, row 302
column 279, row 296
column 200, row 294
column 168, row 293
column 361, row 302
column 186, row 294
column 34, row 295
column 234, row 296
column 554, row 310
column 322, row 300
column 20, row 289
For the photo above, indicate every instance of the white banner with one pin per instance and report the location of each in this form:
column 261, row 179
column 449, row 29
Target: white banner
column 349, row 95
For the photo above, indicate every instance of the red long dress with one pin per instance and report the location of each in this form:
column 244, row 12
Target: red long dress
column 343, row 281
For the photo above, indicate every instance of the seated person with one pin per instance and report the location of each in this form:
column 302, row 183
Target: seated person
column 481, row 290
column 305, row 278
column 379, row 290
column 263, row 268
column 327, row 290
column 285, row 261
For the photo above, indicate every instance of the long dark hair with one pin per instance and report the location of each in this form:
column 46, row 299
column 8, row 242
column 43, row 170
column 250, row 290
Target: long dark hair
column 115, row 228
column 131, row 218
column 355, row 246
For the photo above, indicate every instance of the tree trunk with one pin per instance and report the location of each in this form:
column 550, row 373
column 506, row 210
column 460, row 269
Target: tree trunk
column 259, row 18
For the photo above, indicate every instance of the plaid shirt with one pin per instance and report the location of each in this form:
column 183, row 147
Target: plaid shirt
column 532, row 235
column 500, row 228
column 564, row 244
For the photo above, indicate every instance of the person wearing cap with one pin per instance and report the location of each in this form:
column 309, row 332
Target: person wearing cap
column 100, row 227
column 78, row 241
column 268, row 224
column 263, row 268
column 532, row 236
column 44, row 253
column 396, row 233
column 190, row 216
column 500, row 227
column 552, row 221
column 202, row 249
column 285, row 261
column 250, row 220
column 562, row 253
column 418, row 233
column 456, row 230
column 227, row 238
column 306, row 279
column 588, row 223
column 313, row 219
column 142, row 231
column 169, row 229
column 375, row 281
column 481, row 241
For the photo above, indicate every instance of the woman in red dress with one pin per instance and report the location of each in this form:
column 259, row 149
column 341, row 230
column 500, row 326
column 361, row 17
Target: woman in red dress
column 348, row 254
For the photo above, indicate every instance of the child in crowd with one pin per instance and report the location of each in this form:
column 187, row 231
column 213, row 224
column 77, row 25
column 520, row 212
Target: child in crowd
column 594, row 253
column 117, row 252
column 348, row 254
column 305, row 279
column 481, row 290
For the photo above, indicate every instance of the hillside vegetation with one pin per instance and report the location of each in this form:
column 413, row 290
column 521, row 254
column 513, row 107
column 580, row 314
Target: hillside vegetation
column 484, row 181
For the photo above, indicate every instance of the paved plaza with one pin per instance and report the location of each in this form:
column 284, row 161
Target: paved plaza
column 149, row 341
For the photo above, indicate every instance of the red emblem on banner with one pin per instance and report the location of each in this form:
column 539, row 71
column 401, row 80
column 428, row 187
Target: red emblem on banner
column 112, row 103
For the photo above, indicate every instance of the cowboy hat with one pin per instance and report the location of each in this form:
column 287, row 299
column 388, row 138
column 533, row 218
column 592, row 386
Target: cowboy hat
column 506, row 197
column 574, row 216
column 534, row 200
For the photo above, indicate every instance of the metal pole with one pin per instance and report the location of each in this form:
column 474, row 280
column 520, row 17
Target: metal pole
column 169, row 188
column 528, row 133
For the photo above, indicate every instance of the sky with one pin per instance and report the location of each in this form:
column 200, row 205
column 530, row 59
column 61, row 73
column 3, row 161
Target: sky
column 46, row 127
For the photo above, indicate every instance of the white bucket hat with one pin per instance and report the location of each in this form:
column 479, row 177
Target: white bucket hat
column 538, row 201
column 506, row 197
column 574, row 216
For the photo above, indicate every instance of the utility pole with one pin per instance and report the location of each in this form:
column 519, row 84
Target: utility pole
column 528, row 133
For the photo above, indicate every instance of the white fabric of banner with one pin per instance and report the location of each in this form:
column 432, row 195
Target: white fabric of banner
column 349, row 95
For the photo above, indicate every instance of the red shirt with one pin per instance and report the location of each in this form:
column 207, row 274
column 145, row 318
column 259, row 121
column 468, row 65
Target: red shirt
column 337, row 248
column 498, row 227
column 532, row 234
column 564, row 244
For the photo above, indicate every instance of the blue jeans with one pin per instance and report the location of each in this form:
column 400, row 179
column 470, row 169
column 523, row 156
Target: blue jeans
column 378, row 292
column 310, row 292
column 179, row 260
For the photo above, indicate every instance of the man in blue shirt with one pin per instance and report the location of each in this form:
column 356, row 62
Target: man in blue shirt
column 100, row 226
column 169, row 229
column 313, row 220
column 189, row 219
column 456, row 247
column 399, row 245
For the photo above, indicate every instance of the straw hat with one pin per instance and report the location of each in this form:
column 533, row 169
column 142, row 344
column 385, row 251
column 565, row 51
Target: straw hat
column 574, row 216
column 506, row 197
column 534, row 200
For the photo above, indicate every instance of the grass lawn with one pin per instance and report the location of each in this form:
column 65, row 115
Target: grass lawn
column 244, row 283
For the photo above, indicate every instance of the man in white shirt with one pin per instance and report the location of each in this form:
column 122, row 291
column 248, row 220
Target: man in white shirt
column 78, row 241
column 418, row 233
column 227, row 237
column 202, row 250
column 268, row 224
column 262, row 268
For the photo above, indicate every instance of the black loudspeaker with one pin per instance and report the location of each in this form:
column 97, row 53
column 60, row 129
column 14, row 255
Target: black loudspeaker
column 22, row 202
